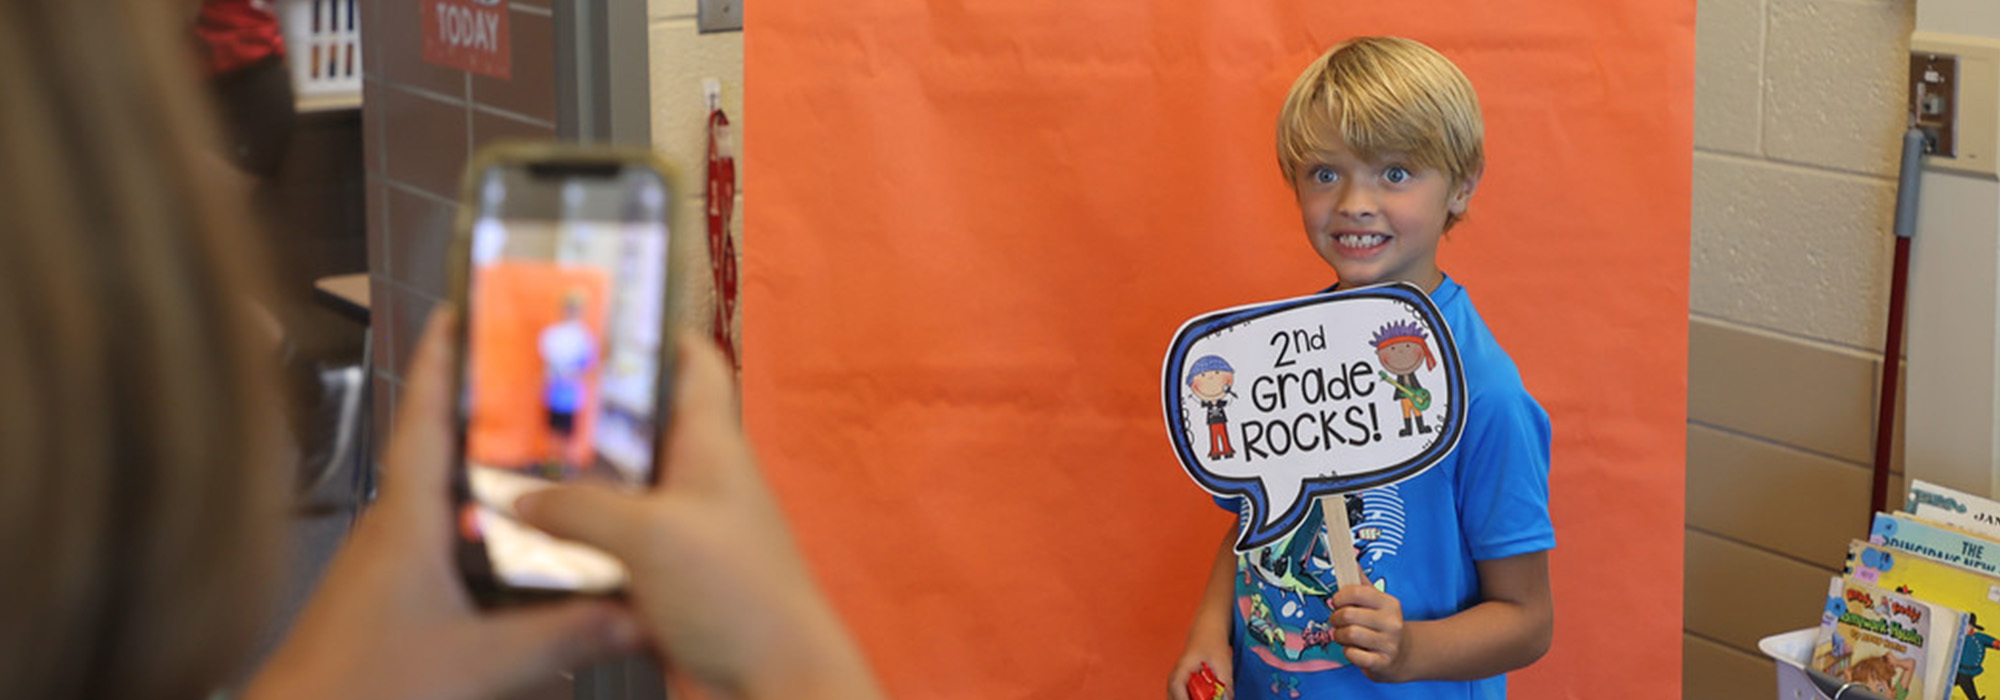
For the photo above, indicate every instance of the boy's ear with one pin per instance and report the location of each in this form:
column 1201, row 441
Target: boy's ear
column 1462, row 195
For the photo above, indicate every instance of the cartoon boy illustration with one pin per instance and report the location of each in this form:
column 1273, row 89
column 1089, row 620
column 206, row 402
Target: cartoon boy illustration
column 1401, row 348
column 1972, row 656
column 569, row 351
column 1886, row 674
column 1211, row 379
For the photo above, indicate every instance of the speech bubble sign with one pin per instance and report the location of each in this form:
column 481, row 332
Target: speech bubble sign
column 1280, row 403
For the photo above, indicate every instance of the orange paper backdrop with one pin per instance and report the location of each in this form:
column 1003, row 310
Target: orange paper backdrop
column 509, row 426
column 978, row 223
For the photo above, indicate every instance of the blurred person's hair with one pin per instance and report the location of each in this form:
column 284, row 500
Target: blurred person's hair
column 139, row 531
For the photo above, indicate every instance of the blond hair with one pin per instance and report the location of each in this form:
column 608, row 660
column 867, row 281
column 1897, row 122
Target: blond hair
column 140, row 504
column 1383, row 96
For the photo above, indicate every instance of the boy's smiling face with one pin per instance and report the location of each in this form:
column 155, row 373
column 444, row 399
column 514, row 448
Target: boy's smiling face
column 1380, row 220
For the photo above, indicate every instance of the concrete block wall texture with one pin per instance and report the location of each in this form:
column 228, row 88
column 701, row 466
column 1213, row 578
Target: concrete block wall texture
column 1794, row 190
column 420, row 124
column 1980, row 17
column 1835, row 73
column 1728, row 77
column 1791, row 249
column 682, row 57
column 1798, row 117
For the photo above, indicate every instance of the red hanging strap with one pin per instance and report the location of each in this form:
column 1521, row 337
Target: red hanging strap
column 721, row 247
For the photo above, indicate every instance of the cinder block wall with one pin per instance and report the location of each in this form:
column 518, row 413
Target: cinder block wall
column 682, row 58
column 1798, row 117
column 420, row 123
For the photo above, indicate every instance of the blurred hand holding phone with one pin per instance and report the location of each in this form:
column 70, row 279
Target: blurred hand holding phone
column 546, row 416
column 718, row 586
column 561, row 264
column 717, row 578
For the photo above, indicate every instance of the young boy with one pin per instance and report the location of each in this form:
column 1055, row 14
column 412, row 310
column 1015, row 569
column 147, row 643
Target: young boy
column 569, row 352
column 1381, row 141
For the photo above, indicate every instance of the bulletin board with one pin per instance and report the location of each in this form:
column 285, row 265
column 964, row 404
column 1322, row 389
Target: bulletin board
column 972, row 227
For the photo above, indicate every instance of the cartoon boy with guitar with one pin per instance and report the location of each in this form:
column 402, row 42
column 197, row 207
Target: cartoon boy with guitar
column 1401, row 348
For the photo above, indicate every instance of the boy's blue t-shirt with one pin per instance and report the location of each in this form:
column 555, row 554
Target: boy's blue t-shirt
column 1418, row 539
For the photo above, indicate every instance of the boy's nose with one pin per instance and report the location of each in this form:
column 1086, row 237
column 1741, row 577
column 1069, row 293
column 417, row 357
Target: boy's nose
column 1355, row 203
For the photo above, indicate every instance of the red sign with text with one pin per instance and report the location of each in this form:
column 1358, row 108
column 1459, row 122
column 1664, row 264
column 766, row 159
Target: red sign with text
column 470, row 35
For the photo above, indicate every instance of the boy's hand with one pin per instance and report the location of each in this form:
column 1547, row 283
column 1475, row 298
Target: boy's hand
column 1368, row 623
column 1208, row 637
column 1190, row 664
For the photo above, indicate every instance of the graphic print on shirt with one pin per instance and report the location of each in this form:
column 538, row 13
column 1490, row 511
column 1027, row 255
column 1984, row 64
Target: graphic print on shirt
column 1282, row 590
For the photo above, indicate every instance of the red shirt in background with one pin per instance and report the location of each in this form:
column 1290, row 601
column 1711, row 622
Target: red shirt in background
column 238, row 33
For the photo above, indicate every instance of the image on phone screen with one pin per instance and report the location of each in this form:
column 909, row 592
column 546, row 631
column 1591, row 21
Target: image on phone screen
column 564, row 330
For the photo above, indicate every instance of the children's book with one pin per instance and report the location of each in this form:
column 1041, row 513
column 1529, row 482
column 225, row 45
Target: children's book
column 1935, row 503
column 1946, row 544
column 1932, row 581
column 1897, row 646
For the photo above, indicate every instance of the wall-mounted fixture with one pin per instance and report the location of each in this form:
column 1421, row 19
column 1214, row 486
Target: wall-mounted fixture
column 721, row 16
column 1954, row 92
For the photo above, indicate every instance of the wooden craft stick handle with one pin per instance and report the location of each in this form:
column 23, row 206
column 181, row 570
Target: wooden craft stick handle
column 1340, row 541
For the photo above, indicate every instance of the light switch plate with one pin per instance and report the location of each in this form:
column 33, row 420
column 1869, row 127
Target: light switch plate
column 1976, row 129
column 721, row 16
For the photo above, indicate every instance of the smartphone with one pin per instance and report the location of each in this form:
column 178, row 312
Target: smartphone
column 560, row 265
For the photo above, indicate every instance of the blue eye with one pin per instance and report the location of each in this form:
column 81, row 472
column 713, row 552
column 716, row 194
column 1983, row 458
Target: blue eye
column 1323, row 175
column 1397, row 174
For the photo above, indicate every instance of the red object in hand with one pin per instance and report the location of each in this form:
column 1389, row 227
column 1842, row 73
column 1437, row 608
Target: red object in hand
column 1203, row 685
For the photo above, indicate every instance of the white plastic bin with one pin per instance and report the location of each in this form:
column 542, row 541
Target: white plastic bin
column 323, row 45
column 1792, row 650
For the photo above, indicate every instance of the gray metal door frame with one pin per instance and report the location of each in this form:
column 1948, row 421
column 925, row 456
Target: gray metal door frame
column 604, row 95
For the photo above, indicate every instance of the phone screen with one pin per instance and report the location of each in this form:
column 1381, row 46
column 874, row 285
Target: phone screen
column 564, row 363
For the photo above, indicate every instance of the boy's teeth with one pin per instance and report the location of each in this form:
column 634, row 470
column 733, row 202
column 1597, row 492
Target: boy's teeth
column 1354, row 240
